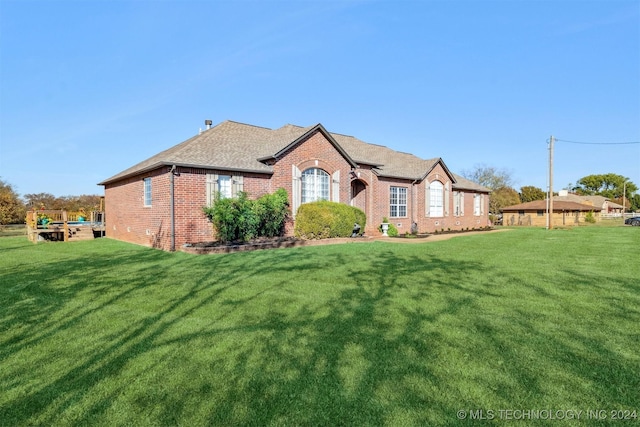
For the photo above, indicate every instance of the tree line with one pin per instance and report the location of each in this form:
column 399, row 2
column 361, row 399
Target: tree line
column 13, row 208
column 612, row 186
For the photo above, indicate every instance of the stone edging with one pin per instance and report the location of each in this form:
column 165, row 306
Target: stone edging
column 292, row 243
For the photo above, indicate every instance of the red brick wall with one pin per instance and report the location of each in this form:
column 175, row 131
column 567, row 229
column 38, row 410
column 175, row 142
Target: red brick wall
column 315, row 152
column 126, row 216
column 416, row 192
column 129, row 220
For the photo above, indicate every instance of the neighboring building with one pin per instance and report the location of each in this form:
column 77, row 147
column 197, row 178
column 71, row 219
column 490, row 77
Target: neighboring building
column 535, row 213
column 599, row 203
column 159, row 201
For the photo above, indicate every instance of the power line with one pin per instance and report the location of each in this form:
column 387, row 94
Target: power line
column 596, row 143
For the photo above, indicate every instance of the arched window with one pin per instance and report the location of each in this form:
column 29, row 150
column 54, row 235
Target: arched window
column 315, row 185
column 436, row 199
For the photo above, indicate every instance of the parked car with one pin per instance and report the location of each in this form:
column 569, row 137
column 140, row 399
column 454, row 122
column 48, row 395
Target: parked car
column 635, row 220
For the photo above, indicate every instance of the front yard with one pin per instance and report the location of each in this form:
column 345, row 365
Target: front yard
column 106, row 333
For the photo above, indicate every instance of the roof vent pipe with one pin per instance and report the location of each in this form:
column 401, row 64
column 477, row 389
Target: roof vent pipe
column 208, row 124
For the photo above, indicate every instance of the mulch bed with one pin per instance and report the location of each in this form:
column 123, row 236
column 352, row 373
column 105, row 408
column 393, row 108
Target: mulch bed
column 291, row 242
column 263, row 243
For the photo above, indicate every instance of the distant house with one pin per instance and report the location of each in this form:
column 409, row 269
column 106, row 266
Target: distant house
column 535, row 213
column 599, row 203
column 158, row 202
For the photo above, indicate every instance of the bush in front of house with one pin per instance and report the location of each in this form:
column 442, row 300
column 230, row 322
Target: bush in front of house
column 272, row 211
column 242, row 219
column 324, row 220
column 590, row 218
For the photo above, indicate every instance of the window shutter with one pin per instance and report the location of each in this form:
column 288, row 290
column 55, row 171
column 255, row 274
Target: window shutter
column 481, row 204
column 427, row 198
column 462, row 203
column 446, row 199
column 296, row 189
column 335, row 188
column 212, row 188
column 236, row 185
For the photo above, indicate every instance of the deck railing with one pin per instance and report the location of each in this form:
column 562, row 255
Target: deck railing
column 55, row 223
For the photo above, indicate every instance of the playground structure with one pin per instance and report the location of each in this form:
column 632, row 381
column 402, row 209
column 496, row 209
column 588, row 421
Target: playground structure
column 60, row 225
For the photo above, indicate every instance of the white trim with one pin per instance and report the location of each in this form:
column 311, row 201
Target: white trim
column 335, row 187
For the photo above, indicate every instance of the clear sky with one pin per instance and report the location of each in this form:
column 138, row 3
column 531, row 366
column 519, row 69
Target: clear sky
column 89, row 88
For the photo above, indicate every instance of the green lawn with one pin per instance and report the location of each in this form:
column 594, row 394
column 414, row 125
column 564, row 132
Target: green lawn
column 106, row 333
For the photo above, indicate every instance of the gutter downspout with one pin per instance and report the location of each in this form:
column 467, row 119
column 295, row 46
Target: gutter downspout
column 172, row 248
column 413, row 205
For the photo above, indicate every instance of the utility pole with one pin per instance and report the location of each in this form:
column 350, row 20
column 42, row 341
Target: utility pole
column 624, row 196
column 550, row 197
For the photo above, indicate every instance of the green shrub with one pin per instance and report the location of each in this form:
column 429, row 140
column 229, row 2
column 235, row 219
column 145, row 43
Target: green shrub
column 324, row 219
column 241, row 219
column 590, row 218
column 392, row 231
column 272, row 211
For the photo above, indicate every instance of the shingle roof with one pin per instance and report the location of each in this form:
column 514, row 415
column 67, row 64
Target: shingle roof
column 240, row 147
column 228, row 145
column 596, row 201
column 466, row 184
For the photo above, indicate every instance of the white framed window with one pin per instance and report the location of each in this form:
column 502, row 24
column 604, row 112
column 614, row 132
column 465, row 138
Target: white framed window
column 397, row 202
column 147, row 191
column 224, row 186
column 478, row 209
column 458, row 203
column 315, row 185
column 436, row 199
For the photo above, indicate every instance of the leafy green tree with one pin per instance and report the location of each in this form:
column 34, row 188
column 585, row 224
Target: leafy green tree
column 635, row 203
column 609, row 185
column 530, row 193
column 12, row 210
column 501, row 197
column 85, row 202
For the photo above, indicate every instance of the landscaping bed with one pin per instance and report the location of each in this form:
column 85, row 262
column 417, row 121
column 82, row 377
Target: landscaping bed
column 261, row 243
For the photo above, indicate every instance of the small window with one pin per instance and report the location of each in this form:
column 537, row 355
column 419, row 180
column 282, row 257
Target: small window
column 398, row 202
column 458, row 203
column 147, row 191
column 224, row 186
column 540, row 213
column 521, row 213
column 477, row 205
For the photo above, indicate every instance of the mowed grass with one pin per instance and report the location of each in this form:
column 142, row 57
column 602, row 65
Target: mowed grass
column 106, row 333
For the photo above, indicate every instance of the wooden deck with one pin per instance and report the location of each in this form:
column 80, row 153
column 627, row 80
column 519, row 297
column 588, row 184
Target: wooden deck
column 64, row 226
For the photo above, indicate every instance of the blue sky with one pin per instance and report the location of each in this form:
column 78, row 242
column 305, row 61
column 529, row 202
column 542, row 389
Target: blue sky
column 88, row 89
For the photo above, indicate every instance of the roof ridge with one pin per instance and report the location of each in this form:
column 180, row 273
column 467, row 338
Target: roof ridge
column 342, row 134
column 243, row 124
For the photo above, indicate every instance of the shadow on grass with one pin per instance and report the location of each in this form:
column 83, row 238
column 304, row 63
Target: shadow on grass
column 366, row 335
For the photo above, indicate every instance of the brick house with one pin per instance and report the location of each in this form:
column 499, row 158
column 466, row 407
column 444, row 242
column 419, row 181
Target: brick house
column 158, row 202
column 535, row 213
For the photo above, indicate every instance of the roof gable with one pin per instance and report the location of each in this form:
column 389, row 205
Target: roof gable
column 308, row 132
